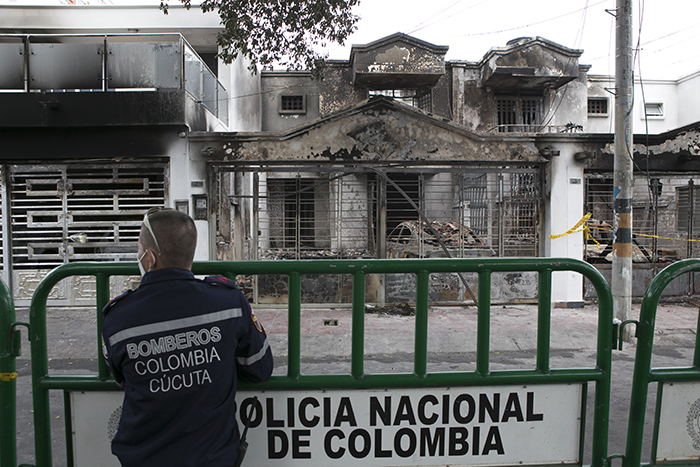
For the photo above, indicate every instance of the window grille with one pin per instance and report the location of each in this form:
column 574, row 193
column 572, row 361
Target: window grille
column 597, row 106
column 312, row 215
column 519, row 114
column 292, row 209
column 293, row 104
column 665, row 206
column 52, row 206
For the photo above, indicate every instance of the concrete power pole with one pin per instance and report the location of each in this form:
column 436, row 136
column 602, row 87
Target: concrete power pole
column 623, row 179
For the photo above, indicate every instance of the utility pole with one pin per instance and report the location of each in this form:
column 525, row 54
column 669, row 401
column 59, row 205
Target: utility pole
column 624, row 178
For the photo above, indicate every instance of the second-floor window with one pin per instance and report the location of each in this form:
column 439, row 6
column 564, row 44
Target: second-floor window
column 654, row 109
column 293, row 104
column 597, row 106
column 519, row 114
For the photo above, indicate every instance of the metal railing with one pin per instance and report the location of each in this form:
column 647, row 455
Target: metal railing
column 536, row 128
column 112, row 62
column 43, row 381
column 644, row 374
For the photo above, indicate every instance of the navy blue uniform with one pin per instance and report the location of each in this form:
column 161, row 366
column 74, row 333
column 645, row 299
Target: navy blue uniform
column 178, row 345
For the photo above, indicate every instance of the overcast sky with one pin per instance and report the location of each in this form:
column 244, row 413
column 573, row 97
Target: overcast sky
column 667, row 29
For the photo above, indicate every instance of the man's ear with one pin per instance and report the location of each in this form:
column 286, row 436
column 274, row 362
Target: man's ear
column 153, row 260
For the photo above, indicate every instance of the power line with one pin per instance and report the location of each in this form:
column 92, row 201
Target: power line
column 420, row 26
column 455, row 14
column 531, row 24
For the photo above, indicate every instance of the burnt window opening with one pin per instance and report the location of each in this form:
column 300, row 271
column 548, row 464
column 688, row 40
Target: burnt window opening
column 502, row 209
column 689, row 209
column 398, row 208
column 597, row 106
column 292, row 213
column 476, row 213
column 293, row 104
column 316, row 215
column 666, row 213
column 420, row 98
column 519, row 114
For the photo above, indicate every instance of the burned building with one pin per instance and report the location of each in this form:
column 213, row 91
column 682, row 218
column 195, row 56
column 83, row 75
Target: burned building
column 395, row 153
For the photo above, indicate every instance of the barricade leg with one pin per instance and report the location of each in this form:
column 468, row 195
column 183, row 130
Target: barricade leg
column 8, row 380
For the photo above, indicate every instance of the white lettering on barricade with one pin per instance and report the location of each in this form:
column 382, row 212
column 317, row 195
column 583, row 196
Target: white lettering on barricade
column 490, row 425
column 679, row 422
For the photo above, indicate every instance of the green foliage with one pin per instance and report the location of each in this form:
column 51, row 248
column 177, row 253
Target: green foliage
column 284, row 32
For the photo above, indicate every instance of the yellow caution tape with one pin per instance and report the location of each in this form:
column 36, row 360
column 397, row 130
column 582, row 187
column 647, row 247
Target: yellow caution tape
column 581, row 226
column 575, row 228
column 6, row 377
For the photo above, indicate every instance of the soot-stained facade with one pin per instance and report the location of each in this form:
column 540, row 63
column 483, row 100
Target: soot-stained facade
column 391, row 148
column 395, row 153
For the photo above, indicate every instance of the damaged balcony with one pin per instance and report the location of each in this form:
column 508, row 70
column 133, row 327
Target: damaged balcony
column 93, row 80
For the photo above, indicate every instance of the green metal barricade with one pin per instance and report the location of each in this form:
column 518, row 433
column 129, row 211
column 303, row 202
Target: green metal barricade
column 9, row 350
column 675, row 440
column 357, row 379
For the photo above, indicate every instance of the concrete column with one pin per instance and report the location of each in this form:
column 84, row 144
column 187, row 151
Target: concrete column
column 564, row 209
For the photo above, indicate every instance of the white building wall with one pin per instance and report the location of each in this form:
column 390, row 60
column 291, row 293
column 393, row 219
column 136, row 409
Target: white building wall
column 244, row 95
column 655, row 92
column 688, row 97
column 680, row 100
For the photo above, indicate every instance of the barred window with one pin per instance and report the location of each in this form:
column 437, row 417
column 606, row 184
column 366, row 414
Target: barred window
column 295, row 104
column 519, row 114
column 597, row 106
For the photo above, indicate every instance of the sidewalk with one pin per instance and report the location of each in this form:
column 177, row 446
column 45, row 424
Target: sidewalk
column 453, row 329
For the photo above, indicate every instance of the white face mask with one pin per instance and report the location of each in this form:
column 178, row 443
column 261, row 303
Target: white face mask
column 141, row 268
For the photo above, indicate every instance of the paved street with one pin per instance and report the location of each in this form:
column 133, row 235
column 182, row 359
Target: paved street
column 326, row 347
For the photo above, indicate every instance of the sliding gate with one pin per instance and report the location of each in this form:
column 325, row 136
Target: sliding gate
column 498, row 417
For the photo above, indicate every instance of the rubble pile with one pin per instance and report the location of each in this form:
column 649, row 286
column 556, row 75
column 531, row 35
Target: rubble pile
column 452, row 234
column 397, row 309
column 275, row 255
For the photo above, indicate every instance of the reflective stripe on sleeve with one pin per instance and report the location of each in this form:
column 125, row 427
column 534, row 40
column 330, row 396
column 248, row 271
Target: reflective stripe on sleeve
column 175, row 324
column 255, row 357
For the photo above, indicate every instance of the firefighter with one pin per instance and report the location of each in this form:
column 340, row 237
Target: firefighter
column 177, row 345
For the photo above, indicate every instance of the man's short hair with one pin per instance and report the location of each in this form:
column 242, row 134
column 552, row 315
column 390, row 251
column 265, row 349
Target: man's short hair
column 176, row 235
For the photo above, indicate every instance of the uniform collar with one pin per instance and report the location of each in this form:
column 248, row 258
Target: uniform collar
column 166, row 274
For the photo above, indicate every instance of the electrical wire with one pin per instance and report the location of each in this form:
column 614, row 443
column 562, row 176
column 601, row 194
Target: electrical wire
column 416, row 29
column 579, row 36
column 420, row 25
column 531, row 24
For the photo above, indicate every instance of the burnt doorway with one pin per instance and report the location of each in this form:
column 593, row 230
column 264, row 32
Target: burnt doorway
column 398, row 206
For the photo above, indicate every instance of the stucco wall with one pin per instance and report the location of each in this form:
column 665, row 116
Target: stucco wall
column 275, row 85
